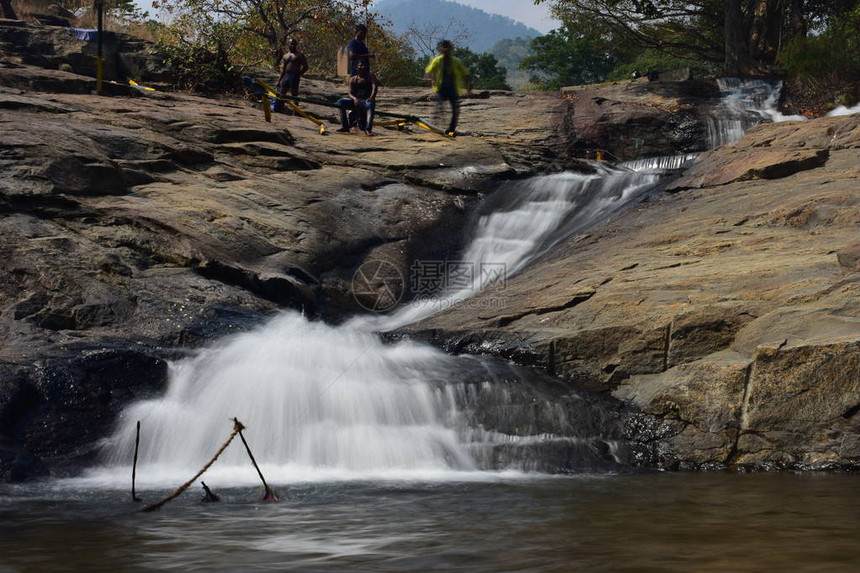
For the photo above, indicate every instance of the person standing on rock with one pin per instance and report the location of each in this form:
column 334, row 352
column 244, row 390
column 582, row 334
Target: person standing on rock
column 362, row 98
column 294, row 65
column 357, row 51
column 450, row 78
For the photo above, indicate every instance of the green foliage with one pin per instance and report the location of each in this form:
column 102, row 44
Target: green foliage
column 207, row 38
column 680, row 27
column 751, row 41
column 484, row 69
column 201, row 63
column 255, row 32
column 565, row 57
column 657, row 61
column 836, row 51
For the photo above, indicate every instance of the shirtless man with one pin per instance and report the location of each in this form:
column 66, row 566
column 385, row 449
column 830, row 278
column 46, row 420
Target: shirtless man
column 294, row 65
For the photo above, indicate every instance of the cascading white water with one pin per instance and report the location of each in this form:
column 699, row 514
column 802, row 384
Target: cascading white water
column 659, row 164
column 316, row 399
column 527, row 219
column 324, row 402
column 745, row 103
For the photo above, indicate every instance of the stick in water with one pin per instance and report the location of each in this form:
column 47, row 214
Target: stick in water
column 134, row 465
column 209, row 495
column 269, row 495
column 237, row 427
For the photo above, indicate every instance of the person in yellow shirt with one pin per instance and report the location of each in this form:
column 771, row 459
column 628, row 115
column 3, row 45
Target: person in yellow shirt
column 450, row 78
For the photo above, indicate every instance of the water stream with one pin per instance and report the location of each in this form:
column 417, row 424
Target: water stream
column 398, row 457
column 707, row 523
column 325, row 402
column 744, row 104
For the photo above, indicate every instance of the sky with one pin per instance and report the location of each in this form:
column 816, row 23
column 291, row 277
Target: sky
column 523, row 11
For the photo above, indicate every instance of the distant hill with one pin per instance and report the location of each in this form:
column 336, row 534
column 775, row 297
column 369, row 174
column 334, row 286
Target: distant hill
column 451, row 20
column 509, row 53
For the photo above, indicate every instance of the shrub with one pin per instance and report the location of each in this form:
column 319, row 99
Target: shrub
column 652, row 60
column 833, row 53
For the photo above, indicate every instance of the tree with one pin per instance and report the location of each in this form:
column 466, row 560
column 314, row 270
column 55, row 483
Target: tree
column 737, row 57
column 263, row 26
column 744, row 35
column 566, row 57
column 646, row 60
column 484, row 69
column 831, row 56
column 510, row 52
column 426, row 37
column 395, row 63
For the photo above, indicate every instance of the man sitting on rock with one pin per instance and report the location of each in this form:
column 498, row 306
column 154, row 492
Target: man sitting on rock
column 362, row 99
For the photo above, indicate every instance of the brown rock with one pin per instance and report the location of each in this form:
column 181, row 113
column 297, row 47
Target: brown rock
column 705, row 396
column 849, row 258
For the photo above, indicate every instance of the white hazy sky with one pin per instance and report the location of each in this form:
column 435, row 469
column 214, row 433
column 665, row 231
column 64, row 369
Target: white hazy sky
column 523, row 11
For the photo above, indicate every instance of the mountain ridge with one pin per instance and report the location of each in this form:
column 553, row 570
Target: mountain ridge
column 484, row 29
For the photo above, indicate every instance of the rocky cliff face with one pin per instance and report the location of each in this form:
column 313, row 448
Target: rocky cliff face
column 724, row 313
column 136, row 224
column 139, row 224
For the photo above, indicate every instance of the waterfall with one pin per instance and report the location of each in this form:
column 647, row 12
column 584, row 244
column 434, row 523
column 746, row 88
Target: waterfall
column 659, row 164
column 744, row 103
column 842, row 110
column 313, row 398
column 522, row 221
column 323, row 402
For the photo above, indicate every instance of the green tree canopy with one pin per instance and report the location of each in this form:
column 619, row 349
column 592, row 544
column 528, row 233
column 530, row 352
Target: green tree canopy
column 567, row 57
column 485, row 70
column 745, row 36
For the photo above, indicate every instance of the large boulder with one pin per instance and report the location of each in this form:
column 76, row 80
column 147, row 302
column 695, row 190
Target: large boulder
column 633, row 119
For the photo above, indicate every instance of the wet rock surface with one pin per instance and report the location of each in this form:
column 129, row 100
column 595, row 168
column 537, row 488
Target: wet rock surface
column 637, row 118
column 135, row 225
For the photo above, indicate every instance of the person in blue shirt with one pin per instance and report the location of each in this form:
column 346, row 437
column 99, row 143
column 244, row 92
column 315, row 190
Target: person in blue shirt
column 450, row 78
column 357, row 51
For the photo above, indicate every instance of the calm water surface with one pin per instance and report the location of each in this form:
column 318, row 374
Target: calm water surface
column 639, row 522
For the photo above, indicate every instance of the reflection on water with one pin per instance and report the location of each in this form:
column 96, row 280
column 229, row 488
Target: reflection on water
column 638, row 522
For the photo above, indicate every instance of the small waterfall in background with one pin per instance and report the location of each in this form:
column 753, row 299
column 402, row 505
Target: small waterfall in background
column 659, row 165
column 744, row 104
